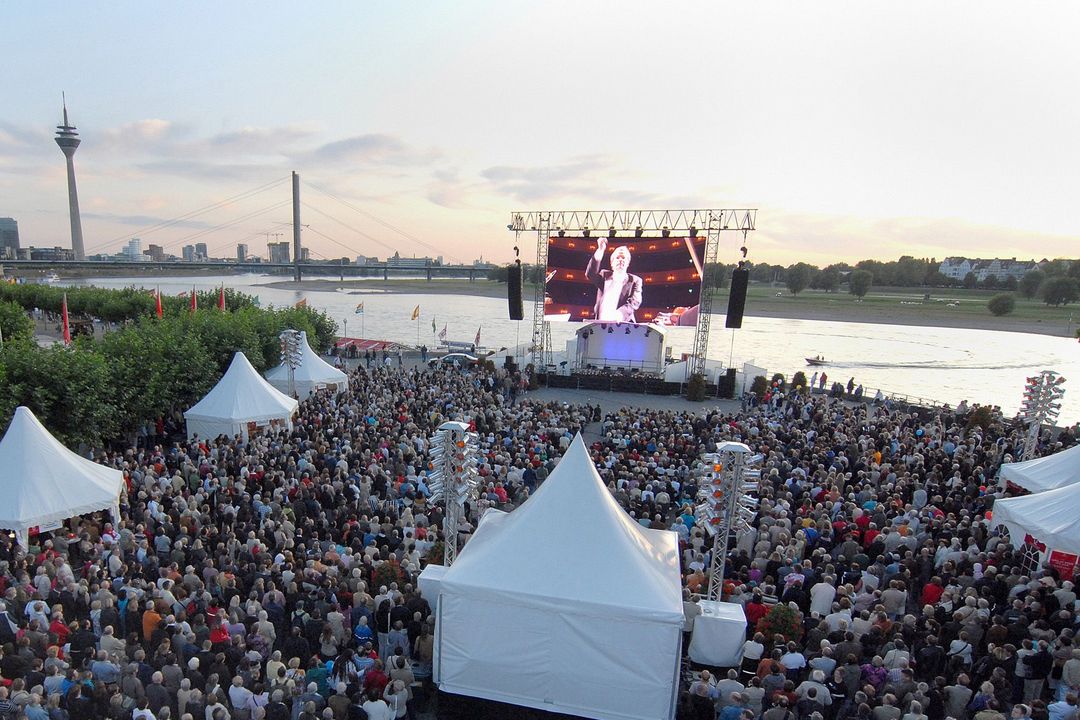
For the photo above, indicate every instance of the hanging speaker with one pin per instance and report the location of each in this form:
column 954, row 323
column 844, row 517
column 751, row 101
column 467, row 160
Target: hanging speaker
column 513, row 291
column 740, row 278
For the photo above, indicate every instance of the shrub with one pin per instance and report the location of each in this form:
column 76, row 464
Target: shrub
column 798, row 380
column 778, row 378
column 781, row 620
column 1001, row 304
column 695, row 388
column 759, row 386
column 389, row 572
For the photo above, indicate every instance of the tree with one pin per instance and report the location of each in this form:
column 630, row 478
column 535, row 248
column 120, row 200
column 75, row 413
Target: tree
column 1059, row 290
column 798, row 277
column 1010, row 283
column 1001, row 304
column 970, row 281
column 991, row 282
column 15, row 323
column 1029, row 284
column 497, row 273
column 859, row 283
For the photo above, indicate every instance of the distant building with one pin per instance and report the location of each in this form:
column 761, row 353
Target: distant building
column 957, row 268
column 201, row 252
column 132, row 252
column 279, row 253
column 305, row 255
column 155, row 253
column 54, row 254
column 9, row 238
column 366, row 260
column 482, row 263
column 241, row 252
column 414, row 262
column 188, row 253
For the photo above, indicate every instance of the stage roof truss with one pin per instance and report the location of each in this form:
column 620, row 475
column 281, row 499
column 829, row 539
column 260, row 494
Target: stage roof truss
column 676, row 221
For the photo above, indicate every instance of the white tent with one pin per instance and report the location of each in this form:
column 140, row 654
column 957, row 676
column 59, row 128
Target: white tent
column 565, row 604
column 313, row 374
column 1045, row 473
column 1051, row 517
column 240, row 403
column 42, row 483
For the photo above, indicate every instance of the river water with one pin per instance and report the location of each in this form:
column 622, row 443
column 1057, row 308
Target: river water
column 939, row 364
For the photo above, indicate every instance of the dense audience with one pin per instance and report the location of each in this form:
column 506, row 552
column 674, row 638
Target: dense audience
column 276, row 577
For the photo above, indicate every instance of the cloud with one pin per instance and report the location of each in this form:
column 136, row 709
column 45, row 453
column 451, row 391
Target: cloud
column 146, row 220
column 199, row 169
column 371, row 149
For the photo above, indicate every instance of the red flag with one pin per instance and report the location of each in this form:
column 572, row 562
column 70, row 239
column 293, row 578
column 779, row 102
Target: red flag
column 194, row 300
column 221, row 299
column 477, row 341
column 67, row 327
column 157, row 303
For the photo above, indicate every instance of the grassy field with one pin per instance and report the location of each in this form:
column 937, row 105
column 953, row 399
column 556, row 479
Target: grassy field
column 946, row 307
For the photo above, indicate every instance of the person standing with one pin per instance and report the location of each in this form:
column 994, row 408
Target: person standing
column 618, row 293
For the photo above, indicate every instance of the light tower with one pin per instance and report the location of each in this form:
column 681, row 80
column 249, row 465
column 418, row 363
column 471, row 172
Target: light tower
column 68, row 140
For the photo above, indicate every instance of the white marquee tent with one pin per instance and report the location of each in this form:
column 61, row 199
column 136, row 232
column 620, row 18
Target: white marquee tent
column 313, row 374
column 241, row 402
column 1045, row 473
column 42, row 483
column 565, row 604
column 1051, row 517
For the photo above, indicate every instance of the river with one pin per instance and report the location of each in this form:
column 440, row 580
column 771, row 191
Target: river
column 941, row 364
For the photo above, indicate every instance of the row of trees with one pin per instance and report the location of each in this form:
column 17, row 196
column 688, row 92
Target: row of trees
column 99, row 390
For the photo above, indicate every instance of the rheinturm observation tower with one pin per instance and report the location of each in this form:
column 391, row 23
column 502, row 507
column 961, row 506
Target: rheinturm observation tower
column 68, row 140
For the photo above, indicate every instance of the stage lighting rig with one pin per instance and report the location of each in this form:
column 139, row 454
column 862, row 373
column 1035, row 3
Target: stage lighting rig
column 1041, row 406
column 726, row 506
column 292, row 355
column 453, row 479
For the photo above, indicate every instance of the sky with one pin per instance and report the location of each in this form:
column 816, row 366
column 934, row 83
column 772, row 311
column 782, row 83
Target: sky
column 857, row 129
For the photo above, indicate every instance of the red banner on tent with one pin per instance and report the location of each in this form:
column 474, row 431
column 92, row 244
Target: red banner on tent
column 1064, row 563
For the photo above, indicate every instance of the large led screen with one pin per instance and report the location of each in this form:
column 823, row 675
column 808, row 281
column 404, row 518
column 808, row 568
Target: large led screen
column 638, row 280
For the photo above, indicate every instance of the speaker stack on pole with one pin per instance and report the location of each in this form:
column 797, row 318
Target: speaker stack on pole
column 740, row 278
column 513, row 291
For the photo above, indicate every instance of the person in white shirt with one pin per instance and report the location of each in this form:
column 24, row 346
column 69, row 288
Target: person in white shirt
column 822, row 595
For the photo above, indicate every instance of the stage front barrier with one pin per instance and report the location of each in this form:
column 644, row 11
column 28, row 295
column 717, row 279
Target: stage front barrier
column 719, row 634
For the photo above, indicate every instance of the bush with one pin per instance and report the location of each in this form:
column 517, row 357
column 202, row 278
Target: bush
column 1001, row 304
column 759, row 386
column 798, row 380
column 778, row 379
column 389, row 572
column 15, row 323
column 781, row 620
column 695, row 388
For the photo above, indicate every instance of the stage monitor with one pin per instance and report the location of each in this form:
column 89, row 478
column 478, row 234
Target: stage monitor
column 637, row 280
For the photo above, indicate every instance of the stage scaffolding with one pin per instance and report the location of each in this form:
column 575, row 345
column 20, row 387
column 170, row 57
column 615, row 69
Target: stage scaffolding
column 642, row 223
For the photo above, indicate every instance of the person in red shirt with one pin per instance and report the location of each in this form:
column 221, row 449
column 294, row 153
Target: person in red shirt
column 932, row 591
column 376, row 678
column 755, row 610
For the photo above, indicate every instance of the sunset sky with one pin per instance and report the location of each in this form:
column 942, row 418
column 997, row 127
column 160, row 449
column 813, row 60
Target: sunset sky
column 859, row 129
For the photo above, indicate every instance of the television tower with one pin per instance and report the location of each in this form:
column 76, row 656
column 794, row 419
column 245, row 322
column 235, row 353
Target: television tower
column 68, row 140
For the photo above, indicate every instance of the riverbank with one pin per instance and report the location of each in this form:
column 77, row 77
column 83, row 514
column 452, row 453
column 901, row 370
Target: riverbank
column 948, row 308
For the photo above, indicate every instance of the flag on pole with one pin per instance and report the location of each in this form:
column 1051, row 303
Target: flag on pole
column 67, row 326
column 157, row 304
column 221, row 299
column 416, row 313
column 477, row 340
column 442, row 333
column 301, row 304
column 432, row 323
column 359, row 308
column 194, row 300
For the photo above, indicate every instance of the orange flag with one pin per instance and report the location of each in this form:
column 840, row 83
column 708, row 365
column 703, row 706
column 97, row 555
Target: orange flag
column 157, row 303
column 194, row 300
column 221, row 299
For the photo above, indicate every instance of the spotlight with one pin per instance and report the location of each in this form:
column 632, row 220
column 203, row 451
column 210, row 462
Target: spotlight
column 627, row 331
column 509, row 227
column 693, row 231
column 562, row 233
column 638, row 231
column 610, row 330
column 603, row 326
column 611, row 231
column 585, row 232
column 666, row 232
column 517, row 251
column 743, row 250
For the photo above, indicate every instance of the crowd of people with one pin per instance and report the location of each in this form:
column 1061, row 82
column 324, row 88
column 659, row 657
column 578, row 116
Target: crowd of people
column 275, row 578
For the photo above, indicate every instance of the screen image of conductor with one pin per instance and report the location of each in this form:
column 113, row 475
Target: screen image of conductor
column 638, row 280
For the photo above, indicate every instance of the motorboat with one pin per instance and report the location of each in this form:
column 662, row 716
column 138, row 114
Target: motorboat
column 816, row 361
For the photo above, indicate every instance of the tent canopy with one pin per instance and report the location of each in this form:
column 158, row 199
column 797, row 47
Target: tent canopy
column 1045, row 473
column 313, row 372
column 240, row 397
column 566, row 604
column 1051, row 517
column 43, row 482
